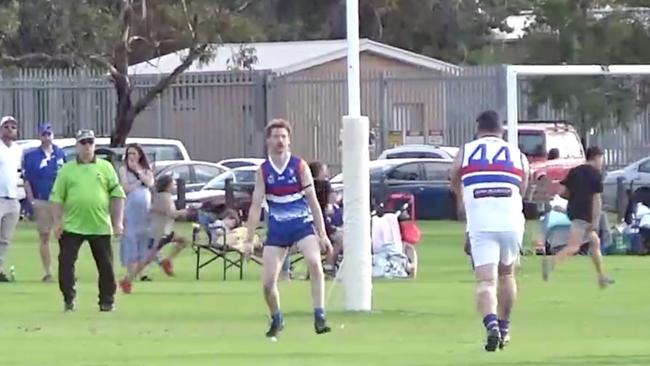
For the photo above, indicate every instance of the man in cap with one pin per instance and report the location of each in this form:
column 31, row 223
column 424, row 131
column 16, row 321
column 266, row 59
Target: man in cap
column 40, row 167
column 10, row 160
column 87, row 205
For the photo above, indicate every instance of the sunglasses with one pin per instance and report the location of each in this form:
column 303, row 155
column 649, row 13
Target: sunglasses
column 87, row 142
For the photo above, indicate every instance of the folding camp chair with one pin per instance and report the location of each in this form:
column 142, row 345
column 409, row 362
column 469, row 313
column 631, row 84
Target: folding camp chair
column 231, row 257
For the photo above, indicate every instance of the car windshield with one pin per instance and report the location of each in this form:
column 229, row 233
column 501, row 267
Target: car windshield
column 532, row 144
column 237, row 176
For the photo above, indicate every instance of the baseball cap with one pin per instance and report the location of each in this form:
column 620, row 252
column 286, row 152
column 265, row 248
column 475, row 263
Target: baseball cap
column 6, row 119
column 45, row 128
column 85, row 135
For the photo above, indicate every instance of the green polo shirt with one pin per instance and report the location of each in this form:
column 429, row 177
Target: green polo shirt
column 85, row 191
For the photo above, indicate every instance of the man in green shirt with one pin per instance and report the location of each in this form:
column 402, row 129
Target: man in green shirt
column 87, row 202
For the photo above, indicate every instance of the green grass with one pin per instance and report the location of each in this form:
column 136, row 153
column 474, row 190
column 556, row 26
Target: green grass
column 428, row 321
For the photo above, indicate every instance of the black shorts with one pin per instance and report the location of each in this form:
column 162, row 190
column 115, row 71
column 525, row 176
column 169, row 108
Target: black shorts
column 162, row 241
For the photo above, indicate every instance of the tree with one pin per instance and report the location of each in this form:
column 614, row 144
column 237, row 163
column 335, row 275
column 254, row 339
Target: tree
column 572, row 33
column 112, row 34
column 453, row 30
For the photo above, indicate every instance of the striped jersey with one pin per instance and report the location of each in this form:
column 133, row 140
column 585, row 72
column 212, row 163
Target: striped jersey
column 285, row 196
column 492, row 171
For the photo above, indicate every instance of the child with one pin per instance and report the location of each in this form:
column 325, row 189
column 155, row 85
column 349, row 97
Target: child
column 163, row 214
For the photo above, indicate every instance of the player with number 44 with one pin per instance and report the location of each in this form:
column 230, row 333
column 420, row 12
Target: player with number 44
column 489, row 177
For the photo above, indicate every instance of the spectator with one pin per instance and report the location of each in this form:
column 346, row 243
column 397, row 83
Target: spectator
column 40, row 168
column 10, row 159
column 326, row 198
column 163, row 216
column 83, row 193
column 136, row 178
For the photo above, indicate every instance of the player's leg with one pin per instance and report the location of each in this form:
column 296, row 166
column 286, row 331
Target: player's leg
column 43, row 216
column 485, row 256
column 126, row 284
column 412, row 255
column 577, row 235
column 180, row 243
column 272, row 258
column 507, row 283
column 597, row 259
column 310, row 249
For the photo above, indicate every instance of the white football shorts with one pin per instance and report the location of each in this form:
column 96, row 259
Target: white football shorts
column 495, row 247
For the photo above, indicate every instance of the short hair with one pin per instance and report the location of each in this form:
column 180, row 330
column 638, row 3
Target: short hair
column 163, row 182
column 489, row 121
column 277, row 123
column 593, row 152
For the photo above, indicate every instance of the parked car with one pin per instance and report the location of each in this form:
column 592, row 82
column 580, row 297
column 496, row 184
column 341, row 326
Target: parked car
column 537, row 139
column 157, row 149
column 634, row 175
column 195, row 173
column 412, row 151
column 427, row 179
column 241, row 162
column 213, row 194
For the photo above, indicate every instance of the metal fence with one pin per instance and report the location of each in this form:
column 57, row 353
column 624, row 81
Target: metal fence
column 220, row 115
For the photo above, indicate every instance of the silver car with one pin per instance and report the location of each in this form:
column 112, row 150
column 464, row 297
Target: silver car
column 634, row 175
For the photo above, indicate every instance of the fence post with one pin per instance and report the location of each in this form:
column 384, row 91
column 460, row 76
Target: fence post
column 230, row 194
column 383, row 107
column 180, row 194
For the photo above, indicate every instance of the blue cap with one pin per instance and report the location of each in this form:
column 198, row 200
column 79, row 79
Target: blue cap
column 45, row 128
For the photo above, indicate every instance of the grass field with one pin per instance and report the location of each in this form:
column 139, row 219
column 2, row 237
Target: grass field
column 428, row 321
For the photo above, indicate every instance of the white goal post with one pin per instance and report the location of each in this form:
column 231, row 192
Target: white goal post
column 514, row 71
column 356, row 268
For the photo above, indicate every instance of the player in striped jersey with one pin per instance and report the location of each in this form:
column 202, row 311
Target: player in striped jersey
column 490, row 176
column 285, row 182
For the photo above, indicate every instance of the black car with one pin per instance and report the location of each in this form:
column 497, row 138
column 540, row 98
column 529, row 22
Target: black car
column 426, row 179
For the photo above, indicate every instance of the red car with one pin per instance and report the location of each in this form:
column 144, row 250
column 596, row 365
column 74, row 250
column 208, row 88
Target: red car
column 552, row 148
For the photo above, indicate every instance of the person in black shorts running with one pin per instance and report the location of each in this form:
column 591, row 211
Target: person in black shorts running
column 583, row 187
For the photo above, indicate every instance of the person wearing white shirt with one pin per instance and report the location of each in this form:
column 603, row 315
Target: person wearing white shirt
column 10, row 162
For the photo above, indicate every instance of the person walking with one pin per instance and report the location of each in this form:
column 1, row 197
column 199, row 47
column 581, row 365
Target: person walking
column 87, row 205
column 10, row 160
column 137, row 179
column 40, row 167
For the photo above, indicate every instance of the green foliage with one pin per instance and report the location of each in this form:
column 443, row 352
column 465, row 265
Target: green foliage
column 570, row 32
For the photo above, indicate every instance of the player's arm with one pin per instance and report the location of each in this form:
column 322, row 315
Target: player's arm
column 255, row 210
column 57, row 197
column 523, row 187
column 597, row 199
column 455, row 176
column 455, row 173
column 564, row 185
column 118, row 197
column 310, row 193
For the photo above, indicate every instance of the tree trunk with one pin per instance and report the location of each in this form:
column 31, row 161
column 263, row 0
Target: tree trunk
column 123, row 125
column 125, row 116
